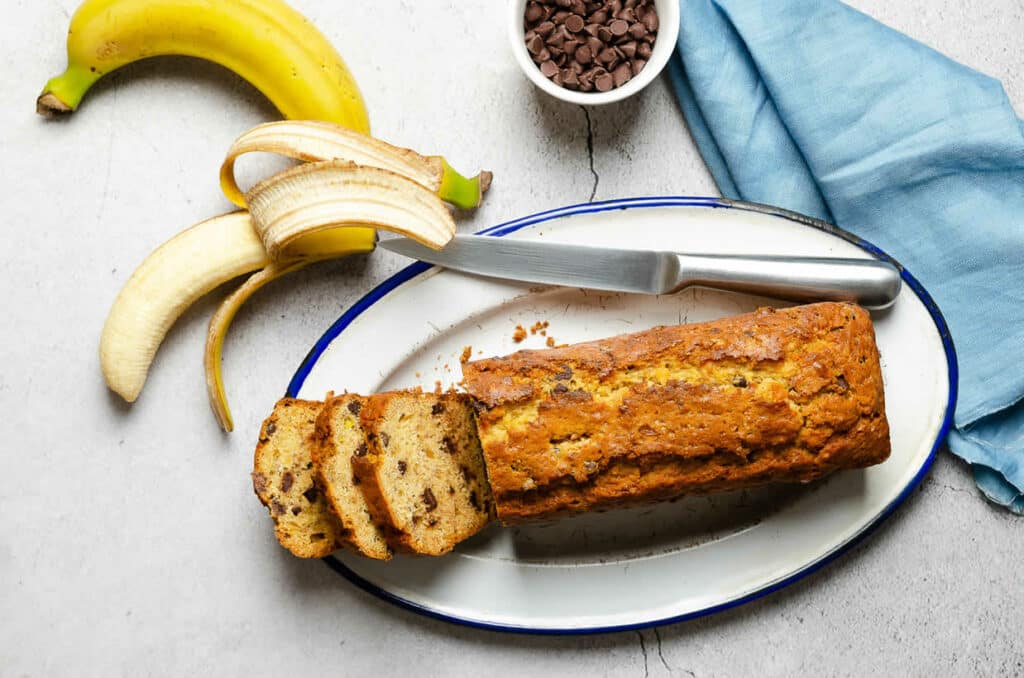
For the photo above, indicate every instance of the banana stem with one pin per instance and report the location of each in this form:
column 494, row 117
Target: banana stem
column 462, row 192
column 64, row 92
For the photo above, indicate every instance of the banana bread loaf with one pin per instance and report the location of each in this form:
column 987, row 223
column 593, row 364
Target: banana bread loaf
column 776, row 395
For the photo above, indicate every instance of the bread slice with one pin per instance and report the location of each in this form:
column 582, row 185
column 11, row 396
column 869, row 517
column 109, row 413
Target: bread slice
column 422, row 472
column 339, row 436
column 283, row 480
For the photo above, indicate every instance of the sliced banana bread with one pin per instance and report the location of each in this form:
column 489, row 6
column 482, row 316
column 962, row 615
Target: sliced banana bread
column 422, row 472
column 339, row 436
column 283, row 479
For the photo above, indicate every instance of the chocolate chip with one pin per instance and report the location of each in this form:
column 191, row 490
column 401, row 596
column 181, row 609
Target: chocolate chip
column 429, row 500
column 565, row 374
column 449, row 445
column 385, row 439
column 548, row 68
column 259, row 483
column 354, row 406
column 574, row 23
column 437, row 408
column 560, row 388
column 739, row 381
column 604, row 82
column 402, row 466
column 545, row 29
column 534, row 12
column 622, row 74
column 599, row 17
column 362, row 450
column 466, row 475
column 296, row 510
column 604, row 34
column 318, row 536
column 474, row 500
column 277, row 508
column 651, row 21
column 355, row 480
column 583, row 55
column 643, row 50
column 637, row 31
column 843, row 384
column 626, row 15
column 628, row 49
column 271, row 427
column 433, row 521
column 310, row 494
column 451, row 490
column 286, row 481
column 638, row 65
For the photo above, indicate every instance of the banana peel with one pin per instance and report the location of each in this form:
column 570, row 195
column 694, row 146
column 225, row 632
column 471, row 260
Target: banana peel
column 314, row 141
column 315, row 211
column 218, row 329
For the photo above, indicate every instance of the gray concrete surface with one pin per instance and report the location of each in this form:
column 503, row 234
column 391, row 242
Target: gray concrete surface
column 130, row 541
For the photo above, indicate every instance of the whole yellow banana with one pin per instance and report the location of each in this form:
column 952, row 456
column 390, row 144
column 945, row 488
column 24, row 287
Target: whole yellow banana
column 264, row 41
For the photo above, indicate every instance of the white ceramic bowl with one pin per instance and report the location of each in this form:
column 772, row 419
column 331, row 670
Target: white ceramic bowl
column 664, row 45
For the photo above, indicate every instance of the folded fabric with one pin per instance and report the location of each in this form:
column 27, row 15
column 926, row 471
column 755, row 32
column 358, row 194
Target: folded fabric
column 816, row 107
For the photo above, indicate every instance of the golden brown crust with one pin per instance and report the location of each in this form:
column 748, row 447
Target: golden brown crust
column 787, row 395
column 284, row 482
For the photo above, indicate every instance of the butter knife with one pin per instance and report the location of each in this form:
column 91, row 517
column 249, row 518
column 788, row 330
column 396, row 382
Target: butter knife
column 868, row 282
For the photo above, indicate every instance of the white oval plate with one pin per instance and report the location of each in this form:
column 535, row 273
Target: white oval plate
column 637, row 567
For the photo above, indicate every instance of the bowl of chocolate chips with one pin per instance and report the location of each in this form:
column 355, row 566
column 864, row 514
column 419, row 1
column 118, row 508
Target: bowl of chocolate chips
column 593, row 51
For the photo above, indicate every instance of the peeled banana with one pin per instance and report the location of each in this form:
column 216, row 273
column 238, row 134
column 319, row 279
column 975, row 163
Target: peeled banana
column 170, row 280
column 310, row 140
column 264, row 41
column 180, row 272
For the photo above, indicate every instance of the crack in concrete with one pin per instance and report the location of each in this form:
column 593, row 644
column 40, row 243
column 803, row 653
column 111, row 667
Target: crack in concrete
column 657, row 636
column 590, row 153
column 640, row 635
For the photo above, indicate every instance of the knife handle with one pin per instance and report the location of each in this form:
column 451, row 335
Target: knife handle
column 868, row 282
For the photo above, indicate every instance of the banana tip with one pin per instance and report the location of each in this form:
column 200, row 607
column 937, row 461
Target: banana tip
column 49, row 106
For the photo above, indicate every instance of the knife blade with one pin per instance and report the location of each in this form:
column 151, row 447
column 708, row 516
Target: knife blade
column 872, row 283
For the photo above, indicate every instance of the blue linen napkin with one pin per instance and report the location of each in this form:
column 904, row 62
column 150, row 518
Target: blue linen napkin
column 816, row 107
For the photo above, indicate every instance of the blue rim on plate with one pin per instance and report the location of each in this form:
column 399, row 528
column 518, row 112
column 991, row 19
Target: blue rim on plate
column 412, row 271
